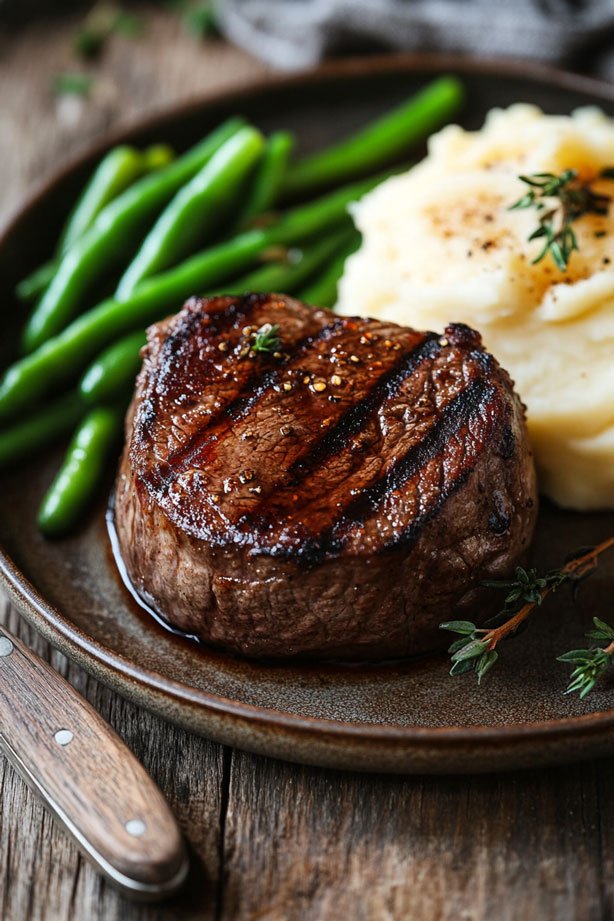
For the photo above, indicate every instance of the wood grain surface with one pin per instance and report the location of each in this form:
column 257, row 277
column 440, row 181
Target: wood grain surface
column 270, row 840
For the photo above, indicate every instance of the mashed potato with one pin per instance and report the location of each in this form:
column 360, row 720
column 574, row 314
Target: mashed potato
column 440, row 244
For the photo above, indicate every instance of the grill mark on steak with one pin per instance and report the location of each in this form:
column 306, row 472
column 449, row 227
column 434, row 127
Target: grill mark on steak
column 259, row 384
column 354, row 419
column 219, row 425
column 470, row 403
column 265, row 518
column 275, row 505
column 313, row 453
column 180, row 337
column 486, row 412
column 474, row 402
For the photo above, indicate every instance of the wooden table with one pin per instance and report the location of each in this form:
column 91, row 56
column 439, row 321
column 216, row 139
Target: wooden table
column 270, row 840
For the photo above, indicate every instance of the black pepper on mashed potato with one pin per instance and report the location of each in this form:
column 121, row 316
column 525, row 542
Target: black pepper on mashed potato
column 440, row 244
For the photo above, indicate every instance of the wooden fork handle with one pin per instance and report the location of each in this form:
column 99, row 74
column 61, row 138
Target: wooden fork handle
column 87, row 776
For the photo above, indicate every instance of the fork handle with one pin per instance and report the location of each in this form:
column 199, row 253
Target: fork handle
column 87, row 777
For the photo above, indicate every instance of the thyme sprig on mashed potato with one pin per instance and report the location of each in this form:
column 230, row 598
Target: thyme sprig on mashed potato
column 475, row 649
column 575, row 199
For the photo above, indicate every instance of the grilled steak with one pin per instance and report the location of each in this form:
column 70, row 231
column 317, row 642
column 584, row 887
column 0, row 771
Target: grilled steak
column 339, row 495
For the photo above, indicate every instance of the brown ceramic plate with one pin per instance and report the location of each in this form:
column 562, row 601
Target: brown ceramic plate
column 407, row 717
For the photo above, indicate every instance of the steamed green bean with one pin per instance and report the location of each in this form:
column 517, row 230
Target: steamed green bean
column 322, row 292
column 121, row 167
column 196, row 209
column 37, row 431
column 75, row 484
column 113, row 371
column 264, row 188
column 378, row 142
column 115, row 230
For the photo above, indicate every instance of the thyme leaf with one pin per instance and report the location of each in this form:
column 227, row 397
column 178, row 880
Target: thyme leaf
column 590, row 664
column 266, row 339
column 559, row 201
column 73, row 84
column 103, row 20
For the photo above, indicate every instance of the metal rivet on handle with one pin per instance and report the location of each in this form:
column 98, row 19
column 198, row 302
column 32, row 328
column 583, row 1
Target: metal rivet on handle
column 63, row 736
column 136, row 827
column 6, row 647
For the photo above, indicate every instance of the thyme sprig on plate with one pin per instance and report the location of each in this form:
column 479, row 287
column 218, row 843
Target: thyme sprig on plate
column 475, row 649
column 575, row 199
column 592, row 663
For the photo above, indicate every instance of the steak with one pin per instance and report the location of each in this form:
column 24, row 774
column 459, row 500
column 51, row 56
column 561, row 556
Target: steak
column 338, row 495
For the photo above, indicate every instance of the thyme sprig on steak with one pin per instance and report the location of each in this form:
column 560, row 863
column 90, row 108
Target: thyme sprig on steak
column 559, row 201
column 475, row 649
column 266, row 339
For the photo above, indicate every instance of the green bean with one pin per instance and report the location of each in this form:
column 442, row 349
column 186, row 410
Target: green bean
column 84, row 465
column 26, row 438
column 307, row 220
column 113, row 232
column 287, row 277
column 322, row 292
column 33, row 285
column 379, row 142
column 113, row 371
column 264, row 189
column 157, row 156
column 63, row 356
column 115, row 172
column 195, row 209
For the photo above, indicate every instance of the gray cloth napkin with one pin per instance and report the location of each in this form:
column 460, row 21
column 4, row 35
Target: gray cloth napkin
column 293, row 34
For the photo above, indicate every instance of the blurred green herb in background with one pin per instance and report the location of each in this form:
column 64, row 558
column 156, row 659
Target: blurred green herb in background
column 106, row 19
column 72, row 84
column 200, row 21
column 198, row 16
column 103, row 21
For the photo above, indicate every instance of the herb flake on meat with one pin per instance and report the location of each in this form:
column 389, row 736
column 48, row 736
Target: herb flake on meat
column 266, row 339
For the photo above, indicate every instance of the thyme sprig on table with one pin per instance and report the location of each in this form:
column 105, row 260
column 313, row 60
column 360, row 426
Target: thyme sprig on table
column 475, row 649
column 575, row 199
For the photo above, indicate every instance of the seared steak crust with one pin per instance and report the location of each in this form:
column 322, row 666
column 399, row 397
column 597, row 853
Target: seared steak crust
column 338, row 497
